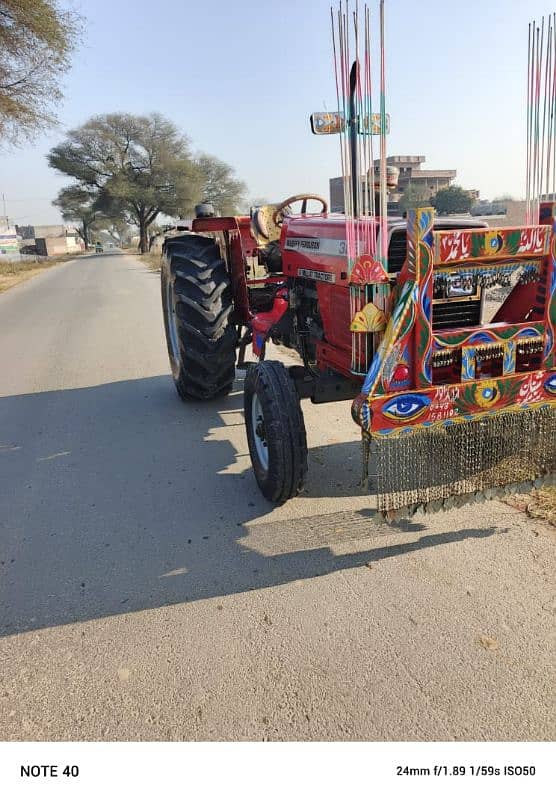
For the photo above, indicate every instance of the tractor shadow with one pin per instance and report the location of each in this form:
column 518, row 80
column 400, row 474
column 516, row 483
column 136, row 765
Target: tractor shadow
column 118, row 498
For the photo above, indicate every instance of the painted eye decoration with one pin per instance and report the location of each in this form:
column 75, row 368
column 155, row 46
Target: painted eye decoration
column 493, row 243
column 486, row 395
column 406, row 407
column 550, row 384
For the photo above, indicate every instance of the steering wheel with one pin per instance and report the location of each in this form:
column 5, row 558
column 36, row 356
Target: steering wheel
column 278, row 215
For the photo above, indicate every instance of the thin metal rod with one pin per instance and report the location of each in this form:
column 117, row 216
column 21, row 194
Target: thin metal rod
column 383, row 191
column 528, row 168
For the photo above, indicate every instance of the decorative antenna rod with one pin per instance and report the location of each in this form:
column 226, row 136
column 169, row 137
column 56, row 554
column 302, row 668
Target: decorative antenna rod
column 353, row 125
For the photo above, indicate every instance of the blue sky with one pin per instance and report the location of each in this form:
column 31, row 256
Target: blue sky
column 240, row 79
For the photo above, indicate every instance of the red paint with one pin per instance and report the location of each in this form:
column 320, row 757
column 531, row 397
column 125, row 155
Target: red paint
column 212, row 224
column 335, row 358
column 448, row 402
column 532, row 241
column 242, row 312
column 401, row 373
column 327, row 228
column 519, row 304
column 335, row 313
column 368, row 270
column 263, row 322
column 454, row 246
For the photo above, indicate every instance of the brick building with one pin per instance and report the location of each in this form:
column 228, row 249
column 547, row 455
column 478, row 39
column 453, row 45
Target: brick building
column 427, row 181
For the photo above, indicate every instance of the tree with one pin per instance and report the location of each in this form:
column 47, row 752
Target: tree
column 136, row 167
column 76, row 205
column 414, row 197
column 452, row 200
column 119, row 229
column 37, row 38
column 220, row 186
column 259, row 200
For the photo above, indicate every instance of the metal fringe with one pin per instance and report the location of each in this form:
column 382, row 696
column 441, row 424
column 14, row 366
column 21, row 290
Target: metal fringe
column 444, row 467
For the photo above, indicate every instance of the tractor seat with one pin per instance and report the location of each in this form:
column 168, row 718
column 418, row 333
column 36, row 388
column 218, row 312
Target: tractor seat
column 263, row 227
column 267, row 235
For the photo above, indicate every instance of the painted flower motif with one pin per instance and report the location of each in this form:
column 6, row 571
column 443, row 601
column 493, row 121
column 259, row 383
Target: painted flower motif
column 368, row 270
column 369, row 320
column 530, row 391
column 493, row 243
column 486, row 394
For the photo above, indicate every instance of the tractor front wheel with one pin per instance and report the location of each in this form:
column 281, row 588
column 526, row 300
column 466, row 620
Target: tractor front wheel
column 275, row 431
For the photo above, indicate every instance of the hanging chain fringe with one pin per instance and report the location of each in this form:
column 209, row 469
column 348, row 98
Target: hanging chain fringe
column 441, row 468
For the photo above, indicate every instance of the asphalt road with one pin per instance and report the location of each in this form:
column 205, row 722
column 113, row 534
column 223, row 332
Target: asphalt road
column 148, row 591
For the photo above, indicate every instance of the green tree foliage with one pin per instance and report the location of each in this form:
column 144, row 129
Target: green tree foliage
column 414, row 197
column 135, row 168
column 452, row 200
column 220, row 186
column 37, row 38
column 76, row 205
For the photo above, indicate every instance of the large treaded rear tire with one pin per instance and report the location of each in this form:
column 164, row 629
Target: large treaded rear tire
column 197, row 304
column 275, row 431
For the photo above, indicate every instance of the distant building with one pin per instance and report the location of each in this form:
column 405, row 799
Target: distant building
column 429, row 181
column 9, row 243
column 426, row 181
column 40, row 231
column 57, row 245
column 510, row 213
column 49, row 240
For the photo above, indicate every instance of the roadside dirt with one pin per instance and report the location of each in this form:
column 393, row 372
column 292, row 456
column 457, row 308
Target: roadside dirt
column 151, row 260
column 13, row 273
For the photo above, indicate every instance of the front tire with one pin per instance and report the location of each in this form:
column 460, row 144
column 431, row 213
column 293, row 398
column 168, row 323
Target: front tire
column 275, row 431
column 197, row 306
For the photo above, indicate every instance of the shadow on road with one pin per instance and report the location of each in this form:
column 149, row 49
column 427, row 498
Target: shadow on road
column 118, row 498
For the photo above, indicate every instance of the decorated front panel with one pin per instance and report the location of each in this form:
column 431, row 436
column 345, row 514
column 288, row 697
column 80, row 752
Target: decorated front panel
column 453, row 247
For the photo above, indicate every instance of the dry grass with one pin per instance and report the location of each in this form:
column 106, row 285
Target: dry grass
column 539, row 504
column 543, row 504
column 151, row 260
column 14, row 272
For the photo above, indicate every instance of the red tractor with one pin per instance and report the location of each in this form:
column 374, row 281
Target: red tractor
column 455, row 402
column 276, row 276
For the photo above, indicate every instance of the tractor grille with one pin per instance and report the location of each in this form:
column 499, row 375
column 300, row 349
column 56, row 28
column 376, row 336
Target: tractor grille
column 456, row 314
column 397, row 251
column 452, row 314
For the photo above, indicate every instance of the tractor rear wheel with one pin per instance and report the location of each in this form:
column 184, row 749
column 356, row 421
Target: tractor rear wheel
column 275, row 431
column 197, row 304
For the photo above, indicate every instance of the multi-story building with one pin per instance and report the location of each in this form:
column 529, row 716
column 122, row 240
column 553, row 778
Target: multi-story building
column 426, row 181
